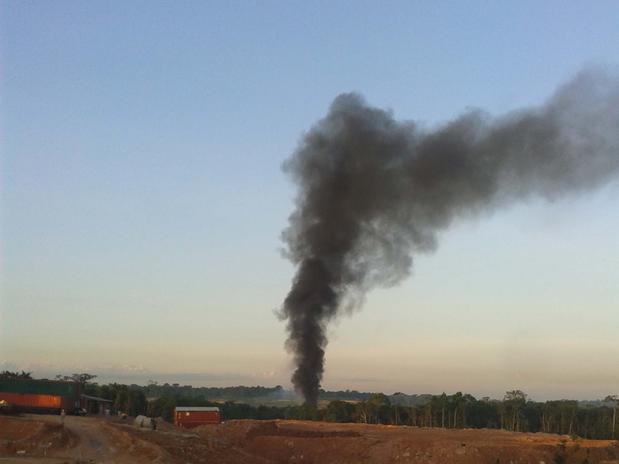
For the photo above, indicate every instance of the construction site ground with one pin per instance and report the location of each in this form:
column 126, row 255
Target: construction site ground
column 43, row 439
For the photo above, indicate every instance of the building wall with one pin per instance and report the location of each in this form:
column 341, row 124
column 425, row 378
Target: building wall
column 27, row 400
column 40, row 395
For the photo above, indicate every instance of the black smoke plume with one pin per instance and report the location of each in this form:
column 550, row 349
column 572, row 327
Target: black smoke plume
column 374, row 191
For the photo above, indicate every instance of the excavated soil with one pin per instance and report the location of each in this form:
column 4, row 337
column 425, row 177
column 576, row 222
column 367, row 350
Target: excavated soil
column 42, row 438
column 33, row 437
column 94, row 439
column 327, row 443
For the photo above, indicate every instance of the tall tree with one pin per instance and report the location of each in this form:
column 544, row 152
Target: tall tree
column 82, row 378
column 443, row 404
column 614, row 399
column 515, row 401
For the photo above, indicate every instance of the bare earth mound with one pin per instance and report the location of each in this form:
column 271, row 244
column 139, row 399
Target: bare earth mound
column 42, row 438
column 33, row 437
column 319, row 442
column 270, row 442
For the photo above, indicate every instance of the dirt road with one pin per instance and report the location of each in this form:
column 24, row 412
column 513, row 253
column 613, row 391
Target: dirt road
column 41, row 438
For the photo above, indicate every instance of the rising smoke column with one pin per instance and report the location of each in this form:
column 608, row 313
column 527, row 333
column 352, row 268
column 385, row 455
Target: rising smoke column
column 374, row 191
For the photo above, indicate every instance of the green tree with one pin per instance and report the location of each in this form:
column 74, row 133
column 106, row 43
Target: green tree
column 6, row 375
column 614, row 399
column 455, row 402
column 136, row 403
column 514, row 401
column 442, row 403
column 162, row 407
column 378, row 407
column 121, row 398
column 82, row 378
column 339, row 411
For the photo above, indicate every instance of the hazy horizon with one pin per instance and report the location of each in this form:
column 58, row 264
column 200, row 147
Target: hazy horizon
column 143, row 199
column 141, row 376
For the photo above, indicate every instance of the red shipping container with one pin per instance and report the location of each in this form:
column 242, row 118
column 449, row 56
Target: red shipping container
column 194, row 416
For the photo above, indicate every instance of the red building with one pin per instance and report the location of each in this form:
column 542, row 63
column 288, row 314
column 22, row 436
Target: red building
column 193, row 416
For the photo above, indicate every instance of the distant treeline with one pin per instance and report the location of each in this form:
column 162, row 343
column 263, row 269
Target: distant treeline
column 515, row 412
column 265, row 394
column 238, row 393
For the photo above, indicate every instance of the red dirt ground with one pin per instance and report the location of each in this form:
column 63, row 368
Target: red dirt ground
column 41, row 439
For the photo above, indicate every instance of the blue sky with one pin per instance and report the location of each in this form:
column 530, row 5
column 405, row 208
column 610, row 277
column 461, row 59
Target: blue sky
column 142, row 195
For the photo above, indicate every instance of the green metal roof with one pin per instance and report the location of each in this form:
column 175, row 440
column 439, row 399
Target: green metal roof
column 38, row 387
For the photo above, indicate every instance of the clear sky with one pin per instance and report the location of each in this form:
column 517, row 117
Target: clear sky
column 143, row 197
